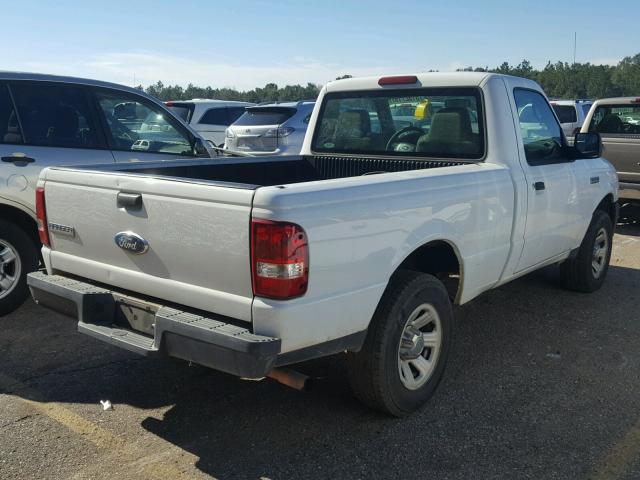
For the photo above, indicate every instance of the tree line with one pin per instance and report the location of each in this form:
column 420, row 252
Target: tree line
column 559, row 80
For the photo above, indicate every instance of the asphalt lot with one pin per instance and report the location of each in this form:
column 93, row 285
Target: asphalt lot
column 543, row 383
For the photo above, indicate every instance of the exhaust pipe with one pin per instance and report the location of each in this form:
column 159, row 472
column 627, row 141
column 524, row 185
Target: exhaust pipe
column 291, row 378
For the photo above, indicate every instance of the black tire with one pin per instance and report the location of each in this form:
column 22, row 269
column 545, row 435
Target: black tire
column 577, row 273
column 374, row 370
column 23, row 244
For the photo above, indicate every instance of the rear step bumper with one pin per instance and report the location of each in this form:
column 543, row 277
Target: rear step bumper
column 204, row 340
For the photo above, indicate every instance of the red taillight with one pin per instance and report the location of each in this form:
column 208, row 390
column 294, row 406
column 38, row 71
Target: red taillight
column 279, row 259
column 637, row 100
column 169, row 104
column 41, row 216
column 399, row 80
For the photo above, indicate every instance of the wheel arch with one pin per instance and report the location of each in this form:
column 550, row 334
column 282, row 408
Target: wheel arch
column 609, row 206
column 440, row 258
column 22, row 219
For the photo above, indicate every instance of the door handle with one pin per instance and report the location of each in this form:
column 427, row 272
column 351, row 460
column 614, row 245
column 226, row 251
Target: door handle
column 538, row 186
column 129, row 200
column 18, row 159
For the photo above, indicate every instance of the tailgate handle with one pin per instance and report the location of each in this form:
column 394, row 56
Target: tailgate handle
column 129, row 200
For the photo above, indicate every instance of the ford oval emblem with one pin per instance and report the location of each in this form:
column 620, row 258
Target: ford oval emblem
column 131, row 242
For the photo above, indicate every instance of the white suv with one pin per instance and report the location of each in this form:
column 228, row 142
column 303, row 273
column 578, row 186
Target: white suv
column 571, row 114
column 270, row 129
column 209, row 118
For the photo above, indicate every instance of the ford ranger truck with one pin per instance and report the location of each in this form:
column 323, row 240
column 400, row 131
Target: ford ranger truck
column 362, row 244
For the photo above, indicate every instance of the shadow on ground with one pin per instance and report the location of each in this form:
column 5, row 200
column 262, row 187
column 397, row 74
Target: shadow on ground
column 629, row 220
column 540, row 383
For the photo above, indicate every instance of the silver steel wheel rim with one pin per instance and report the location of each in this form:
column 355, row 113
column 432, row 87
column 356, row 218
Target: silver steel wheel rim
column 600, row 251
column 10, row 268
column 420, row 346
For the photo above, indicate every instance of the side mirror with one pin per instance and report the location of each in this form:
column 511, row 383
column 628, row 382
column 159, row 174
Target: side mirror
column 587, row 145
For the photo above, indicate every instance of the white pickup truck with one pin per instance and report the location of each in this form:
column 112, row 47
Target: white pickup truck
column 412, row 193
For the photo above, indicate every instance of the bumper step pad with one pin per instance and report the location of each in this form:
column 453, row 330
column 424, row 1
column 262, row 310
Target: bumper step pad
column 201, row 339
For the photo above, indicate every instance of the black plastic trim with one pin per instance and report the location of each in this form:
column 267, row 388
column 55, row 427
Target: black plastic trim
column 351, row 343
column 206, row 340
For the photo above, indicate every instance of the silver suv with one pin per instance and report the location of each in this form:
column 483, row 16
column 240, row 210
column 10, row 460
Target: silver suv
column 270, row 129
column 210, row 118
column 48, row 120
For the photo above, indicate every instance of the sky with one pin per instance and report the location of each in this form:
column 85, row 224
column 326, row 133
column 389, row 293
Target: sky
column 247, row 43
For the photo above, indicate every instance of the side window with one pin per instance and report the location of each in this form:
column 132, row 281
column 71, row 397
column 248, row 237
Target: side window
column 215, row 116
column 566, row 113
column 54, row 115
column 541, row 133
column 9, row 125
column 222, row 116
column 137, row 126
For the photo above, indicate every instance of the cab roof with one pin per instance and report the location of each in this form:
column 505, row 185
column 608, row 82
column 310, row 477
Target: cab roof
column 429, row 79
column 618, row 101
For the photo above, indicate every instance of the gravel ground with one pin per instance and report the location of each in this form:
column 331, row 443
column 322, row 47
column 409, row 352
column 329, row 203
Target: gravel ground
column 542, row 383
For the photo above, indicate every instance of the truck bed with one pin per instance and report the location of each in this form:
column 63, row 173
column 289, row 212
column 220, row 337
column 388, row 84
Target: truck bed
column 269, row 171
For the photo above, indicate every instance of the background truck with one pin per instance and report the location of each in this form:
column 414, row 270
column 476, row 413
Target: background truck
column 617, row 120
column 361, row 244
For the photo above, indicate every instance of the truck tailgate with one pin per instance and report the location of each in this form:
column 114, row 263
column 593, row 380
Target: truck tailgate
column 197, row 236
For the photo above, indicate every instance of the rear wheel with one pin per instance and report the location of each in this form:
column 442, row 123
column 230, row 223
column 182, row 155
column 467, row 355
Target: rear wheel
column 407, row 346
column 586, row 271
column 18, row 256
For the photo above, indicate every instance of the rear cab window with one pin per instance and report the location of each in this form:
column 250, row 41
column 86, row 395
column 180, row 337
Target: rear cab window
column 616, row 119
column 425, row 122
column 254, row 116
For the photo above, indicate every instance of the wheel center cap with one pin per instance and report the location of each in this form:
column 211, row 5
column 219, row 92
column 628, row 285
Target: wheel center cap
column 412, row 344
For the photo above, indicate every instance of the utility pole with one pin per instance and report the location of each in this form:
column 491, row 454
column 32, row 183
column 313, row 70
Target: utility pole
column 575, row 44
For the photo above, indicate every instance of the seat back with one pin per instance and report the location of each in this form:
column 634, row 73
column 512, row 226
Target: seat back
column 450, row 133
column 610, row 124
column 353, row 130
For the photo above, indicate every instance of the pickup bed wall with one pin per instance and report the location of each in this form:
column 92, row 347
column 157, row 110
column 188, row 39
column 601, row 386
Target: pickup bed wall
column 269, row 172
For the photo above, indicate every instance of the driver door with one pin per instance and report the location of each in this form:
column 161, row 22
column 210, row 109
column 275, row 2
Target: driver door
column 555, row 187
column 138, row 130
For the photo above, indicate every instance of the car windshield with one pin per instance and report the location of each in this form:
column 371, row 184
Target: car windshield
column 265, row 116
column 566, row 113
column 437, row 122
column 616, row 119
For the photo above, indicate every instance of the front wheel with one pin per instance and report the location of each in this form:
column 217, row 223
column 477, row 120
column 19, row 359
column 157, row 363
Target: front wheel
column 18, row 256
column 586, row 271
column 407, row 345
